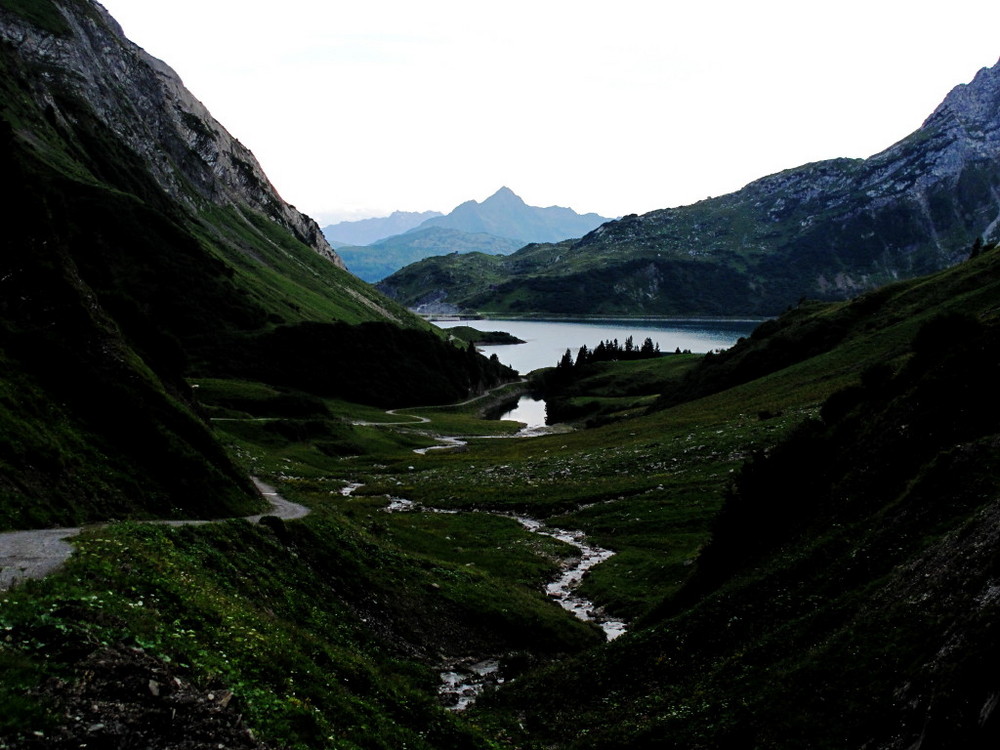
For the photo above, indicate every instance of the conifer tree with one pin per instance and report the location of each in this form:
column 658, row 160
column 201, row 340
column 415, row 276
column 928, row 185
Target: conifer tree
column 566, row 363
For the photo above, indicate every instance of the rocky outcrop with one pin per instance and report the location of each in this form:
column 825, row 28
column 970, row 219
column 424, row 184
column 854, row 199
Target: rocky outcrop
column 145, row 104
column 967, row 123
column 123, row 696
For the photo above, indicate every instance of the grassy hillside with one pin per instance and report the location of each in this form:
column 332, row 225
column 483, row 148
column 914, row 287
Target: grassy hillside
column 97, row 419
column 843, row 599
column 118, row 299
column 117, row 290
column 788, row 556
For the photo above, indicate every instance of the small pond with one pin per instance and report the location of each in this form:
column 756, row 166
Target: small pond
column 529, row 410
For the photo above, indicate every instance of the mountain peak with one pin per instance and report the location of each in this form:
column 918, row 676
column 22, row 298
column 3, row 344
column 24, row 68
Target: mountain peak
column 826, row 230
column 971, row 107
column 504, row 194
column 505, row 214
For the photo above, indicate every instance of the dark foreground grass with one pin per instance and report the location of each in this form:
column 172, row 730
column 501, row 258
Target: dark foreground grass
column 326, row 632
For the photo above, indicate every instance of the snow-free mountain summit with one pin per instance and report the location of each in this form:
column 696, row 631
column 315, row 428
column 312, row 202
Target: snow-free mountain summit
column 498, row 225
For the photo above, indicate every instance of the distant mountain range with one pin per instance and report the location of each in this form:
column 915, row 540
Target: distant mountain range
column 382, row 258
column 826, row 230
column 367, row 231
column 504, row 214
column 499, row 225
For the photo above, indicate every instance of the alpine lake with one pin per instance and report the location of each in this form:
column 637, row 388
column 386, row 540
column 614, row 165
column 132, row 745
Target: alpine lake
column 545, row 341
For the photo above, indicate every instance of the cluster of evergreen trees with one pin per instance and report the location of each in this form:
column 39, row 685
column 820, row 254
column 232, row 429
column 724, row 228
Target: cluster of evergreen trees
column 609, row 351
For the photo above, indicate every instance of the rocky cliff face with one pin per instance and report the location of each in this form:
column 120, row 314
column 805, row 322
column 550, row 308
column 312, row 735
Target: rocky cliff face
column 145, row 104
column 968, row 124
column 912, row 208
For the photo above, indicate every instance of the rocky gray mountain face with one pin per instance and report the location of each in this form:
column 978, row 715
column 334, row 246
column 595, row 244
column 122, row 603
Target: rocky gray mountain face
column 145, row 104
column 142, row 247
column 825, row 230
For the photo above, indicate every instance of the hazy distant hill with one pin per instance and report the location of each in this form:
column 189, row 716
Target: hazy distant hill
column 378, row 260
column 367, row 231
column 827, row 230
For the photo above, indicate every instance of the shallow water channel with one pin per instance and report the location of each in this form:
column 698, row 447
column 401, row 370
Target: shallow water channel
column 462, row 680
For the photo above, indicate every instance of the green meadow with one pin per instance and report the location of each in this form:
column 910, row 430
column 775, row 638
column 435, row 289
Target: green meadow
column 330, row 631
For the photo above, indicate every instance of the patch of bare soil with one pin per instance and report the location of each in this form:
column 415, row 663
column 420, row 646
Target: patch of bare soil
column 124, row 698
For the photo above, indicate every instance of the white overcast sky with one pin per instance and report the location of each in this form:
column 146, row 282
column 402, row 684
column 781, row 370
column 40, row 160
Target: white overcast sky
column 357, row 108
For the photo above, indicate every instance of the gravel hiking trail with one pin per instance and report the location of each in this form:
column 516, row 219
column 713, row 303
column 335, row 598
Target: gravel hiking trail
column 36, row 553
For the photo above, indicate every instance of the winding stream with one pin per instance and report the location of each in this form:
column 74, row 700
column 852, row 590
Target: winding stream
column 462, row 680
column 562, row 589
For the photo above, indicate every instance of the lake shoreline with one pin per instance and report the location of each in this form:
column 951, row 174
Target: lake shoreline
column 592, row 318
column 547, row 339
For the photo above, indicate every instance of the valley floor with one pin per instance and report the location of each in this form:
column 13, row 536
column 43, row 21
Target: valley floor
column 325, row 628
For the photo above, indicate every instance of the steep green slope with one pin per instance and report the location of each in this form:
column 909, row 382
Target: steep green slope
column 143, row 245
column 97, row 420
column 877, row 326
column 845, row 597
column 826, row 231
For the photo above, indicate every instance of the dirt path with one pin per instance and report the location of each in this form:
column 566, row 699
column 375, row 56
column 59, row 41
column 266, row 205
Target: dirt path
column 36, row 553
column 33, row 554
column 418, row 419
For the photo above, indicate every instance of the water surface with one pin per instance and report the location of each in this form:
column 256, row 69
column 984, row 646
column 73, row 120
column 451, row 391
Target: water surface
column 547, row 340
column 529, row 410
